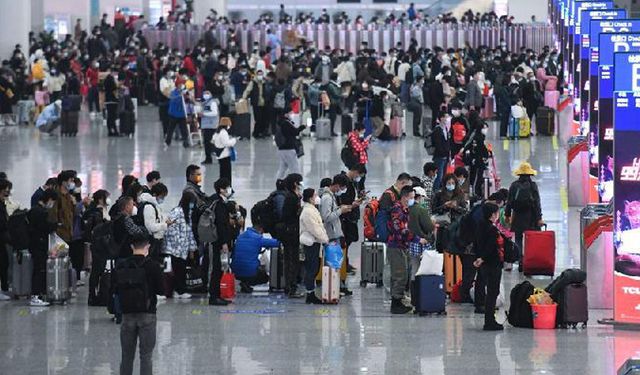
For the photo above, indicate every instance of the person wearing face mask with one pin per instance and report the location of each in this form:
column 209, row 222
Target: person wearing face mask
column 532, row 94
column 256, row 93
column 421, row 227
column 96, row 213
column 459, row 129
column 194, row 180
column 180, row 243
column 124, row 228
column 354, row 196
column 489, row 251
column 92, row 78
column 64, row 209
column 223, row 147
column 208, row 123
column 474, row 99
column 397, row 248
column 462, row 179
column 450, row 199
column 286, row 135
column 312, row 236
column 331, row 211
column 153, row 217
column 177, row 116
column 429, row 170
column 166, row 86
column 442, row 148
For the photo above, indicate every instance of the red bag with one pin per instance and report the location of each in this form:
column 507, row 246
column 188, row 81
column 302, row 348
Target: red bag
column 370, row 212
column 295, row 106
column 459, row 132
column 451, row 167
column 228, row 286
column 457, row 161
column 539, row 249
column 456, row 296
column 84, row 89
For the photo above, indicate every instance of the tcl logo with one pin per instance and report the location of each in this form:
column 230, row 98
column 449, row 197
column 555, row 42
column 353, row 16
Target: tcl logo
column 631, row 290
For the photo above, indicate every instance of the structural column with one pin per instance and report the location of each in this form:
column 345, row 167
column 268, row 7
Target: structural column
column 15, row 24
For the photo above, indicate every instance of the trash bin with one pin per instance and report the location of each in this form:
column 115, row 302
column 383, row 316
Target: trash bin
column 544, row 316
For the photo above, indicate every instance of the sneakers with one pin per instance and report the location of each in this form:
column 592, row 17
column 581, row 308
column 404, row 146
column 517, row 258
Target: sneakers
column 312, row 299
column 218, row 302
column 4, row 297
column 161, row 297
column 181, row 296
column 493, row 327
column 80, row 283
column 295, row 294
column 397, row 307
column 37, row 302
column 345, row 292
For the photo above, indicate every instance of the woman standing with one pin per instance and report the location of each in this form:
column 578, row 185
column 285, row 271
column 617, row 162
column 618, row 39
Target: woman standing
column 180, row 242
column 450, row 199
column 489, row 248
column 97, row 213
column 223, row 147
column 312, row 236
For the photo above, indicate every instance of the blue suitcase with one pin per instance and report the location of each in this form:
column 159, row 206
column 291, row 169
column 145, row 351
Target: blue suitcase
column 431, row 296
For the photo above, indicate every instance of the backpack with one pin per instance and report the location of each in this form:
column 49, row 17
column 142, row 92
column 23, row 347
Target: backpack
column 382, row 219
column 131, row 283
column 370, row 212
column 207, row 230
column 37, row 71
column 523, row 199
column 461, row 235
column 19, row 229
column 520, row 314
column 104, row 241
column 139, row 218
column 567, row 277
column 459, row 132
column 279, row 100
column 279, row 137
column 348, row 156
column 429, row 144
column 269, row 211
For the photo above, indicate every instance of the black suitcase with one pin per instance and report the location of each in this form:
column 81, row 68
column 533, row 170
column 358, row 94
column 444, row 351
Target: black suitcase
column 276, row 270
column 545, row 121
column 241, row 126
column 71, row 103
column 69, row 123
column 346, row 123
column 127, row 123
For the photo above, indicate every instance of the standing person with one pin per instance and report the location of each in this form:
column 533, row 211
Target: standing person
column 138, row 282
column 430, row 171
column 167, row 85
column 421, row 227
column 5, row 193
column 40, row 227
column 476, row 156
column 331, row 211
column 503, row 105
column 194, row 180
column 441, row 154
column 223, row 245
column 397, row 246
column 256, row 93
column 523, row 209
column 450, row 199
column 153, row 217
column 111, row 102
column 312, row 236
column 177, row 116
column 416, row 101
column 180, row 242
column 286, row 138
column 64, row 209
column 358, row 143
column 97, row 213
column 124, row 228
column 223, row 147
column 473, row 100
column 353, row 197
column 152, row 178
column 288, row 232
column 51, row 183
column 92, row 78
column 489, row 249
column 208, row 124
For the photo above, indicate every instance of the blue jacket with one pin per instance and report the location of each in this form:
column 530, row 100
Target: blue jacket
column 50, row 113
column 176, row 105
column 246, row 251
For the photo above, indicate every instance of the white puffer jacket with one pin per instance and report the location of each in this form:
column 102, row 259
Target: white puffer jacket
column 311, row 227
column 156, row 225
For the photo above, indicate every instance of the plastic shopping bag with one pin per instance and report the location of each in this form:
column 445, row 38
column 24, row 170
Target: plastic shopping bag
column 333, row 255
column 430, row 263
column 57, row 247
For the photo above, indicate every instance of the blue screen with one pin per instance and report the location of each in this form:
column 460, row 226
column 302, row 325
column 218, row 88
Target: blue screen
column 626, row 74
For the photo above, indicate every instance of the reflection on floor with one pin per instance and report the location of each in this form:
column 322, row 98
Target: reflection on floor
column 270, row 334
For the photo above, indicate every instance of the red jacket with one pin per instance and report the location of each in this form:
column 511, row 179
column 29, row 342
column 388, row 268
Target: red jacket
column 92, row 76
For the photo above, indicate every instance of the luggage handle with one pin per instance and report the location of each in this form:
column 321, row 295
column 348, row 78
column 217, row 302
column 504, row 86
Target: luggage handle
column 543, row 226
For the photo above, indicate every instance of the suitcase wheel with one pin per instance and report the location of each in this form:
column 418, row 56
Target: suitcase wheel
column 363, row 283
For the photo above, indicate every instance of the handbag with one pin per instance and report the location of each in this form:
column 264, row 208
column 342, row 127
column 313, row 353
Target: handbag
column 299, row 147
column 193, row 278
column 510, row 250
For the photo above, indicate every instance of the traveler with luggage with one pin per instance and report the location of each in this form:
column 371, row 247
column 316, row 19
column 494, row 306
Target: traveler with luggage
column 450, row 200
column 421, row 227
column 430, row 171
column 356, row 146
column 5, row 192
column 442, row 152
column 208, row 124
column 397, row 247
column 355, row 193
column 416, row 102
column 503, row 105
column 96, row 214
column 286, row 138
column 313, row 236
column 386, row 202
column 223, row 148
column 153, row 218
column 64, row 209
column 49, row 119
column 331, row 211
column 460, row 128
column 124, row 228
column 256, row 94
column 475, row 155
column 40, row 227
column 489, row 250
column 138, row 281
column 180, row 243
column 166, row 86
column 245, row 262
column 111, row 100
column 194, row 180
column 523, row 210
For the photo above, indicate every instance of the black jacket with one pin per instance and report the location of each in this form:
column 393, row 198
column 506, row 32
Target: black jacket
column 350, row 220
column 524, row 219
column 289, row 132
column 153, row 273
column 223, row 224
column 39, row 229
column 289, row 228
column 441, row 143
column 486, row 244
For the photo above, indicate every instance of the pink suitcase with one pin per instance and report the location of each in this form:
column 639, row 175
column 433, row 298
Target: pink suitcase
column 487, row 110
column 41, row 97
column 551, row 99
column 551, row 84
column 395, row 127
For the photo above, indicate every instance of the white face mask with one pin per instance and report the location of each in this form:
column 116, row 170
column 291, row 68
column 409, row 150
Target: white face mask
column 317, row 201
column 228, row 192
column 455, row 113
column 108, row 202
column 357, row 179
column 484, row 131
column 134, row 212
column 206, row 96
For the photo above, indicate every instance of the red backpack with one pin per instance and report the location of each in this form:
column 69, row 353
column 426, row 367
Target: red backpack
column 459, row 132
column 370, row 212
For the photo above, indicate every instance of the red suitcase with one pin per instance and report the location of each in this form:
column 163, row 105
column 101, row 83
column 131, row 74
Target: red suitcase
column 539, row 248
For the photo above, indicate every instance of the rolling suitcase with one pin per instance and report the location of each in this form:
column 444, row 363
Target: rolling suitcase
column 241, row 126
column 545, row 121
column 21, row 274
column 371, row 263
column 452, row 271
column 127, row 123
column 323, row 128
column 539, row 248
column 513, row 128
column 551, row 99
column 430, row 295
column 58, row 290
column 573, row 307
column 395, row 127
column 524, row 127
column 346, row 123
column 330, row 285
column 25, row 107
column 276, row 270
column 487, row 112
column 69, row 123
column 71, row 103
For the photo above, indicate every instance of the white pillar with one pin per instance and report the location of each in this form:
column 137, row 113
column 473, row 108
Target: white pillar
column 15, row 24
column 37, row 15
column 202, row 8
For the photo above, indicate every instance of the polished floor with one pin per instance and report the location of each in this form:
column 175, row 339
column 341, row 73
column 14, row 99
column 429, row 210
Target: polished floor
column 262, row 334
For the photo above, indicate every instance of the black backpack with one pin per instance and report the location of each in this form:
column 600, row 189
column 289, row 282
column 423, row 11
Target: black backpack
column 19, row 229
column 523, row 199
column 139, row 218
column 348, row 156
column 461, row 234
column 269, row 211
column 104, row 242
column 520, row 314
column 131, row 283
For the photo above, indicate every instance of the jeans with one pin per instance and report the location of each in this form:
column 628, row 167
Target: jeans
column 417, row 117
column 441, row 163
column 492, row 275
column 288, row 162
column 225, row 168
column 207, row 135
column 181, row 123
column 134, row 326
column 311, row 266
column 398, row 262
column 93, row 99
column 179, row 267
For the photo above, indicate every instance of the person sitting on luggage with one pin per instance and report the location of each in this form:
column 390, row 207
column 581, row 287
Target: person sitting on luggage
column 312, row 236
column 429, row 170
column 523, row 210
column 138, row 281
column 245, row 262
column 49, row 119
column 330, row 212
column 489, row 250
column 450, row 199
column 40, row 227
column 421, row 227
column 397, row 245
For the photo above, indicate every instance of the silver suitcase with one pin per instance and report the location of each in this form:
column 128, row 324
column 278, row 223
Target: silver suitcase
column 58, row 276
column 323, row 128
column 22, row 272
column 371, row 263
